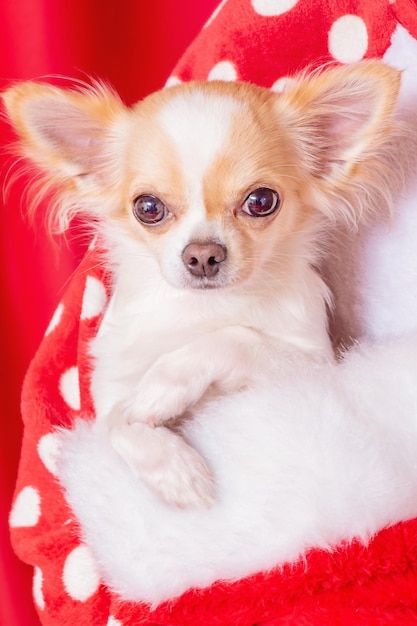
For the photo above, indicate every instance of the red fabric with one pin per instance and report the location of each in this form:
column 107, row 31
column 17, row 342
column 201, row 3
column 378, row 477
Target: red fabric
column 263, row 49
column 353, row 585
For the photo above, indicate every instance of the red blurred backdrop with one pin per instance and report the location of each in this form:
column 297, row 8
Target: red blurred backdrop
column 133, row 45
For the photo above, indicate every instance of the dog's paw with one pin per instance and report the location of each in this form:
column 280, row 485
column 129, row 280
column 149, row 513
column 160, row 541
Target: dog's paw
column 170, row 387
column 184, row 479
column 165, row 463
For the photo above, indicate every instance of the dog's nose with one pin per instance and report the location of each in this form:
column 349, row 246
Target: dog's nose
column 204, row 259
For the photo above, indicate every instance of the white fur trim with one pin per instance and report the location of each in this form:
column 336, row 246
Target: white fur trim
column 324, row 454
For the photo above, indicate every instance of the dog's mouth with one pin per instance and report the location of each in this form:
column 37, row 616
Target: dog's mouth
column 206, row 283
column 224, row 278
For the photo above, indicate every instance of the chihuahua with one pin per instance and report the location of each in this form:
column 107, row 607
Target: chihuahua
column 211, row 201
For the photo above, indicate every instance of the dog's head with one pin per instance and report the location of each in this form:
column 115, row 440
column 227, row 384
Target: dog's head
column 221, row 182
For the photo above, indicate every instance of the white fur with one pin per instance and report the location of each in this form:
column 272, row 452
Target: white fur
column 308, row 458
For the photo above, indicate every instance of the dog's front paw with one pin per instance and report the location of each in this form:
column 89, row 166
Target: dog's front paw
column 170, row 387
column 183, row 479
column 166, row 463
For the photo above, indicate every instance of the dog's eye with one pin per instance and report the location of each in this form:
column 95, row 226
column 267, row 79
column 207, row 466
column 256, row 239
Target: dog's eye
column 262, row 202
column 149, row 209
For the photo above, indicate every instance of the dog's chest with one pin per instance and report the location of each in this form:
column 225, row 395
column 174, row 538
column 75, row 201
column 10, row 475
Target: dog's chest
column 152, row 324
column 136, row 331
column 141, row 326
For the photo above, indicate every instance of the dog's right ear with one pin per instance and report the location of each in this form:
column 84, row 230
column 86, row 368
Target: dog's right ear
column 343, row 124
column 70, row 135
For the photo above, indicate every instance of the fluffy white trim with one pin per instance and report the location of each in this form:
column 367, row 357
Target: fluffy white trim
column 323, row 455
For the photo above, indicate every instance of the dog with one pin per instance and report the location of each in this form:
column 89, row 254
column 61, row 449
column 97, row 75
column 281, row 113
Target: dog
column 212, row 201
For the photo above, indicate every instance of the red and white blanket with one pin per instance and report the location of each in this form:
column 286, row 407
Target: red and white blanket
column 370, row 579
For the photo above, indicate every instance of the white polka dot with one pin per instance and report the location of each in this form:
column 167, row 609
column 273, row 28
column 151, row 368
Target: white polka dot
column 80, row 574
column 273, row 7
column 49, row 447
column 215, row 13
column 69, row 387
column 26, row 509
column 173, row 81
column 94, row 298
column 112, row 621
column 56, row 318
column 38, row 588
column 348, row 39
column 282, row 83
column 224, row 70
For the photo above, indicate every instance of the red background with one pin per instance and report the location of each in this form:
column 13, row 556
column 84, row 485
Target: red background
column 134, row 45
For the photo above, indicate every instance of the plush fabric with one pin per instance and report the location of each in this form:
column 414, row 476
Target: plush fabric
column 369, row 582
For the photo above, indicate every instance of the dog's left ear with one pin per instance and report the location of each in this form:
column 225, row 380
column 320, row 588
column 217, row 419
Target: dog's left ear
column 71, row 136
column 61, row 129
column 340, row 117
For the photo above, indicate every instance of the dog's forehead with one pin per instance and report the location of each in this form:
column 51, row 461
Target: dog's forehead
column 199, row 125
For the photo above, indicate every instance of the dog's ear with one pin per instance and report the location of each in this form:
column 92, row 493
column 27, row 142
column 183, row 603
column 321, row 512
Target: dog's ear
column 341, row 116
column 68, row 134
column 341, row 122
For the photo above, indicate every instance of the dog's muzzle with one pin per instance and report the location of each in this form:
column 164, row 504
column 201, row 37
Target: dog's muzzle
column 203, row 260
